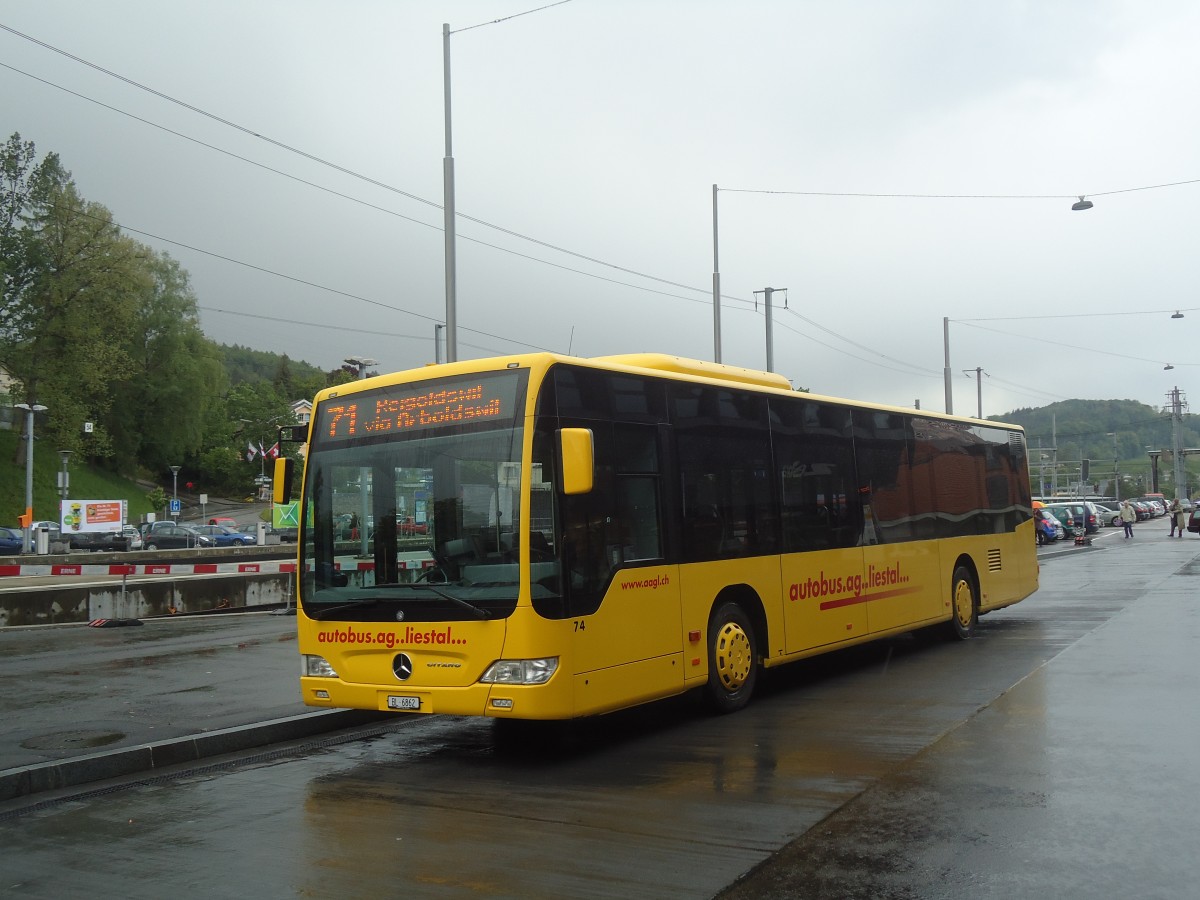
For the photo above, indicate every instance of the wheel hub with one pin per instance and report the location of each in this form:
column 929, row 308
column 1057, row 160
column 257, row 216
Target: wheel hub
column 732, row 656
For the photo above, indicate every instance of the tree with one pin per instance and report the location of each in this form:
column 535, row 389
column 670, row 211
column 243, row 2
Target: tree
column 66, row 310
column 158, row 499
column 164, row 412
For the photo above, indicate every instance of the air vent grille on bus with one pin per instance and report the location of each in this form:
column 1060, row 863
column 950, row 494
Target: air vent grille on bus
column 994, row 562
column 1016, row 440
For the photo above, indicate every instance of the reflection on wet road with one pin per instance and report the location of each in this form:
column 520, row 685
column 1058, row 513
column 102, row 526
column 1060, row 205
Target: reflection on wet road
column 933, row 769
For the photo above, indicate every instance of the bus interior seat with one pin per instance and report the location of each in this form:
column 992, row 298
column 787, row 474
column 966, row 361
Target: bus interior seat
column 459, row 550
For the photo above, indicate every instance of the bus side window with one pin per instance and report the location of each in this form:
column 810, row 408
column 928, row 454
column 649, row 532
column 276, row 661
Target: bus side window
column 814, row 462
column 637, row 527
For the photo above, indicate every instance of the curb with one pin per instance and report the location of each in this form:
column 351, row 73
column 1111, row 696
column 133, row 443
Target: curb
column 27, row 780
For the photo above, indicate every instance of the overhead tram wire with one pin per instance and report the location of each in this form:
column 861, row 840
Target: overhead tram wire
column 371, row 331
column 1085, row 315
column 920, row 370
column 637, row 287
column 970, row 323
column 332, row 165
column 809, row 337
column 297, row 280
column 900, row 196
column 344, row 170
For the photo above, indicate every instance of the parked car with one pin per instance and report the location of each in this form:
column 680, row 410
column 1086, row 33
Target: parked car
column 1193, row 524
column 224, row 536
column 223, row 520
column 146, row 527
column 409, row 525
column 135, row 536
column 1066, row 518
column 1048, row 528
column 98, row 541
column 12, row 540
column 1110, row 512
column 169, row 536
column 1084, row 513
column 1157, row 501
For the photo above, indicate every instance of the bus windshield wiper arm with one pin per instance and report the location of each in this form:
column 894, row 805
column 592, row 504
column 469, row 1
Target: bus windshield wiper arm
column 341, row 607
column 424, row 586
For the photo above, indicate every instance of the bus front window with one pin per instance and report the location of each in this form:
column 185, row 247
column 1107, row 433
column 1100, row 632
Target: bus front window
column 432, row 514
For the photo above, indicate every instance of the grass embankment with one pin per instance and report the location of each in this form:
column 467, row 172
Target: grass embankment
column 86, row 483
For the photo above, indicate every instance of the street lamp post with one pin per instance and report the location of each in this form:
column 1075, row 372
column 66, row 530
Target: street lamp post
column 1116, row 466
column 361, row 363
column 30, row 411
column 174, row 487
column 979, row 373
column 64, row 477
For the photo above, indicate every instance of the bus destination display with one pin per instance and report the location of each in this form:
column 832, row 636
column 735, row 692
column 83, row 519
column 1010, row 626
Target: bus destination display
column 402, row 409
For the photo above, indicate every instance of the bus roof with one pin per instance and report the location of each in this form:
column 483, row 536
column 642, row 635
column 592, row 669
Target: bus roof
column 663, row 363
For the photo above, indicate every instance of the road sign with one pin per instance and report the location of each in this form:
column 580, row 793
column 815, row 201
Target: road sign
column 176, row 505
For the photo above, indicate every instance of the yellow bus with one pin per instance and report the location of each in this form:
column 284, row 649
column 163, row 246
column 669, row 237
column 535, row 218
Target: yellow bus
column 546, row 537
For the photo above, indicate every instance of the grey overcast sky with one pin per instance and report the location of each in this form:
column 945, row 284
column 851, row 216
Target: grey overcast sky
column 599, row 127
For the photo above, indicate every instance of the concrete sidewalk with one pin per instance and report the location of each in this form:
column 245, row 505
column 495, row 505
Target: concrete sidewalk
column 1079, row 781
column 84, row 704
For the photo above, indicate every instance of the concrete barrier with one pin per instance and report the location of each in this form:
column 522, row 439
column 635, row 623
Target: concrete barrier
column 58, row 603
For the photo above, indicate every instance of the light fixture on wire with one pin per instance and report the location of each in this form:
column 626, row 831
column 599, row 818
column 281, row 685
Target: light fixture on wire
column 1178, row 315
column 1168, row 367
column 1081, row 204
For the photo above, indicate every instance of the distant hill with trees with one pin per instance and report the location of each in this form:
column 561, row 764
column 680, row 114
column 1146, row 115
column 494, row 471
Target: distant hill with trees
column 1105, row 430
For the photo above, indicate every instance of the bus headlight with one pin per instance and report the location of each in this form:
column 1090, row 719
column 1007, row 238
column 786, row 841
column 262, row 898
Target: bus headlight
column 316, row 667
column 520, row 671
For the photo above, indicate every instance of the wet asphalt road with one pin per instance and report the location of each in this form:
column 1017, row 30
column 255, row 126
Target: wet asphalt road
column 1052, row 756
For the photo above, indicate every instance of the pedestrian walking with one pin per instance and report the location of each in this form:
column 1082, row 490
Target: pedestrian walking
column 1128, row 517
column 1173, row 514
column 1181, row 518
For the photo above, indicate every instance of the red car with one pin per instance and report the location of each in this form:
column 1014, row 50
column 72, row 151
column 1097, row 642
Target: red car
column 408, row 525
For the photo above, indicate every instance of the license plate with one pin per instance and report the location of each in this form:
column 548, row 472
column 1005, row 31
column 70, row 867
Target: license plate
column 404, row 703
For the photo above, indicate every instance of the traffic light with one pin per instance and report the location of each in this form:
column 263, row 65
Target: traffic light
column 1087, row 465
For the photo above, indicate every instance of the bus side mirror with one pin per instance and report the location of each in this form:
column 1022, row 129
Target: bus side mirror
column 578, row 462
column 282, row 484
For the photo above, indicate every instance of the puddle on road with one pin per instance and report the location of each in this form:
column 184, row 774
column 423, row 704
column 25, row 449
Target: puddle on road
column 72, row 740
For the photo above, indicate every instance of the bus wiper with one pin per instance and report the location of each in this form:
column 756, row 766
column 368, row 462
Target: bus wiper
column 353, row 604
column 424, row 586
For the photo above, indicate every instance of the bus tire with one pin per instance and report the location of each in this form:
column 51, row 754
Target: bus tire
column 732, row 659
column 964, row 604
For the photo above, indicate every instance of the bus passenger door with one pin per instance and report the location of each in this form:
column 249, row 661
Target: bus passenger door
column 624, row 597
column 822, row 521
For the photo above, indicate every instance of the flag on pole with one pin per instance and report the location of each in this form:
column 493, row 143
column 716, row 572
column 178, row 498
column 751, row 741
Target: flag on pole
column 274, row 451
column 251, row 452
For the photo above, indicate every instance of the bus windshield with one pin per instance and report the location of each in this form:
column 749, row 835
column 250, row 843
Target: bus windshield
column 412, row 502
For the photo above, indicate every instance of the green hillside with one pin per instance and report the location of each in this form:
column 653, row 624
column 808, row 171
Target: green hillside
column 85, row 483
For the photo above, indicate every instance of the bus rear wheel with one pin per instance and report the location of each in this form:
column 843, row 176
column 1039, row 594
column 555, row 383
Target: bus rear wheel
column 964, row 598
column 732, row 659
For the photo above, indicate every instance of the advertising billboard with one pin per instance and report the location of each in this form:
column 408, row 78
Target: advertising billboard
column 91, row 515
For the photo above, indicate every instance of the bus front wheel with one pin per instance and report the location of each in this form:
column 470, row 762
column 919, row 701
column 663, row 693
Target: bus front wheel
column 964, row 597
column 732, row 659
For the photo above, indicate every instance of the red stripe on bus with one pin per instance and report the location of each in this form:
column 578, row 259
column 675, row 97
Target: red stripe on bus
column 866, row 598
